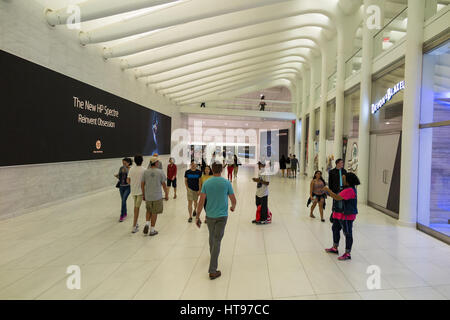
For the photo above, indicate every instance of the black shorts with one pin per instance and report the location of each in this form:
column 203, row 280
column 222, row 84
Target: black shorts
column 172, row 183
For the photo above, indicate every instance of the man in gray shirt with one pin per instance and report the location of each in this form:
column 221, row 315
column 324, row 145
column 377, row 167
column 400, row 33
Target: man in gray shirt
column 152, row 181
column 294, row 166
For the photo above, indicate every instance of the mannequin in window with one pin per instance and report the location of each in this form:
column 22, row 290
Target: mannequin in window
column 262, row 104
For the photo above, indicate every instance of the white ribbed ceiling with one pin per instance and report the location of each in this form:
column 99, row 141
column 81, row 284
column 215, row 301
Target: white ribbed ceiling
column 203, row 50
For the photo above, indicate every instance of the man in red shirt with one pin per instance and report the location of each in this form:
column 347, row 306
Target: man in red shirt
column 172, row 176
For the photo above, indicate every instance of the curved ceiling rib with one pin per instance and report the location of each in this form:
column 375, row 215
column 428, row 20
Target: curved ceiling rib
column 242, row 42
column 242, row 84
column 238, row 84
column 261, row 74
column 217, row 52
column 256, row 86
column 224, row 60
column 205, row 77
column 199, row 78
column 260, row 85
column 214, row 92
column 226, row 75
column 183, row 13
column 206, row 48
column 287, row 62
column 234, row 87
column 220, row 87
column 238, row 22
column 92, row 10
column 231, row 79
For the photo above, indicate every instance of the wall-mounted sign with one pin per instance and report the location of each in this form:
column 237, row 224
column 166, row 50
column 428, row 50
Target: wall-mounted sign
column 49, row 117
column 388, row 96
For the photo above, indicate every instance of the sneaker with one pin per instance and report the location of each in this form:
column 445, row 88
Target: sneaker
column 135, row 229
column 345, row 256
column 190, row 220
column 153, row 233
column 195, row 213
column 261, row 222
column 146, row 229
column 332, row 250
column 215, row 275
column 254, row 221
column 121, row 219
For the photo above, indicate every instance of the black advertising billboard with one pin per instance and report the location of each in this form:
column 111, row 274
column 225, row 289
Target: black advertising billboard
column 48, row 117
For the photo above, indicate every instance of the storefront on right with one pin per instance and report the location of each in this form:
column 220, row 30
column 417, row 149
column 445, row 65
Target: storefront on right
column 434, row 160
column 385, row 139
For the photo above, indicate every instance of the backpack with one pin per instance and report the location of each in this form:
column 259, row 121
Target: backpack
column 258, row 215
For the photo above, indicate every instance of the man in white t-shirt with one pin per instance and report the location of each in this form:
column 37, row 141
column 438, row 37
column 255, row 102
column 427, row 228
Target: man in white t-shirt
column 135, row 179
column 262, row 192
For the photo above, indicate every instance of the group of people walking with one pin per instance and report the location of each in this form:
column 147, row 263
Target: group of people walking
column 289, row 165
column 143, row 185
column 208, row 191
column 230, row 161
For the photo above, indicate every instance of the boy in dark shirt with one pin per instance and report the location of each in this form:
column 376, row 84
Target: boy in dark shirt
column 192, row 183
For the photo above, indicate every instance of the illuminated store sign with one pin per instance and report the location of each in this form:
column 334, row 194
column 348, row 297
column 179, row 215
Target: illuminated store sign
column 388, row 96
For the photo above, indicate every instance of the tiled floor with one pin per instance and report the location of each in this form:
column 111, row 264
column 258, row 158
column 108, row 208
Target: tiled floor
column 284, row 260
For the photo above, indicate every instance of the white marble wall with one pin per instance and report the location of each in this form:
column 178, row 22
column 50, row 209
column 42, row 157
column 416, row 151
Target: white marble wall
column 24, row 32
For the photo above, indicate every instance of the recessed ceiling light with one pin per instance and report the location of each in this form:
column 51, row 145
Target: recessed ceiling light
column 388, row 123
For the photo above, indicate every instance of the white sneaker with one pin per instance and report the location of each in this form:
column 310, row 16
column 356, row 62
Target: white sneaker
column 135, row 229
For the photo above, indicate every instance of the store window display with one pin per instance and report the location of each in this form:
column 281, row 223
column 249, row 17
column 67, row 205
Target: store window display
column 351, row 129
column 434, row 169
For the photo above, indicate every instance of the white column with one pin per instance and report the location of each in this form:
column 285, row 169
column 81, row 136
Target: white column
column 312, row 124
column 323, row 114
column 299, row 97
column 297, row 122
column 411, row 113
column 297, row 137
column 303, row 135
column 340, row 86
column 364, row 111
